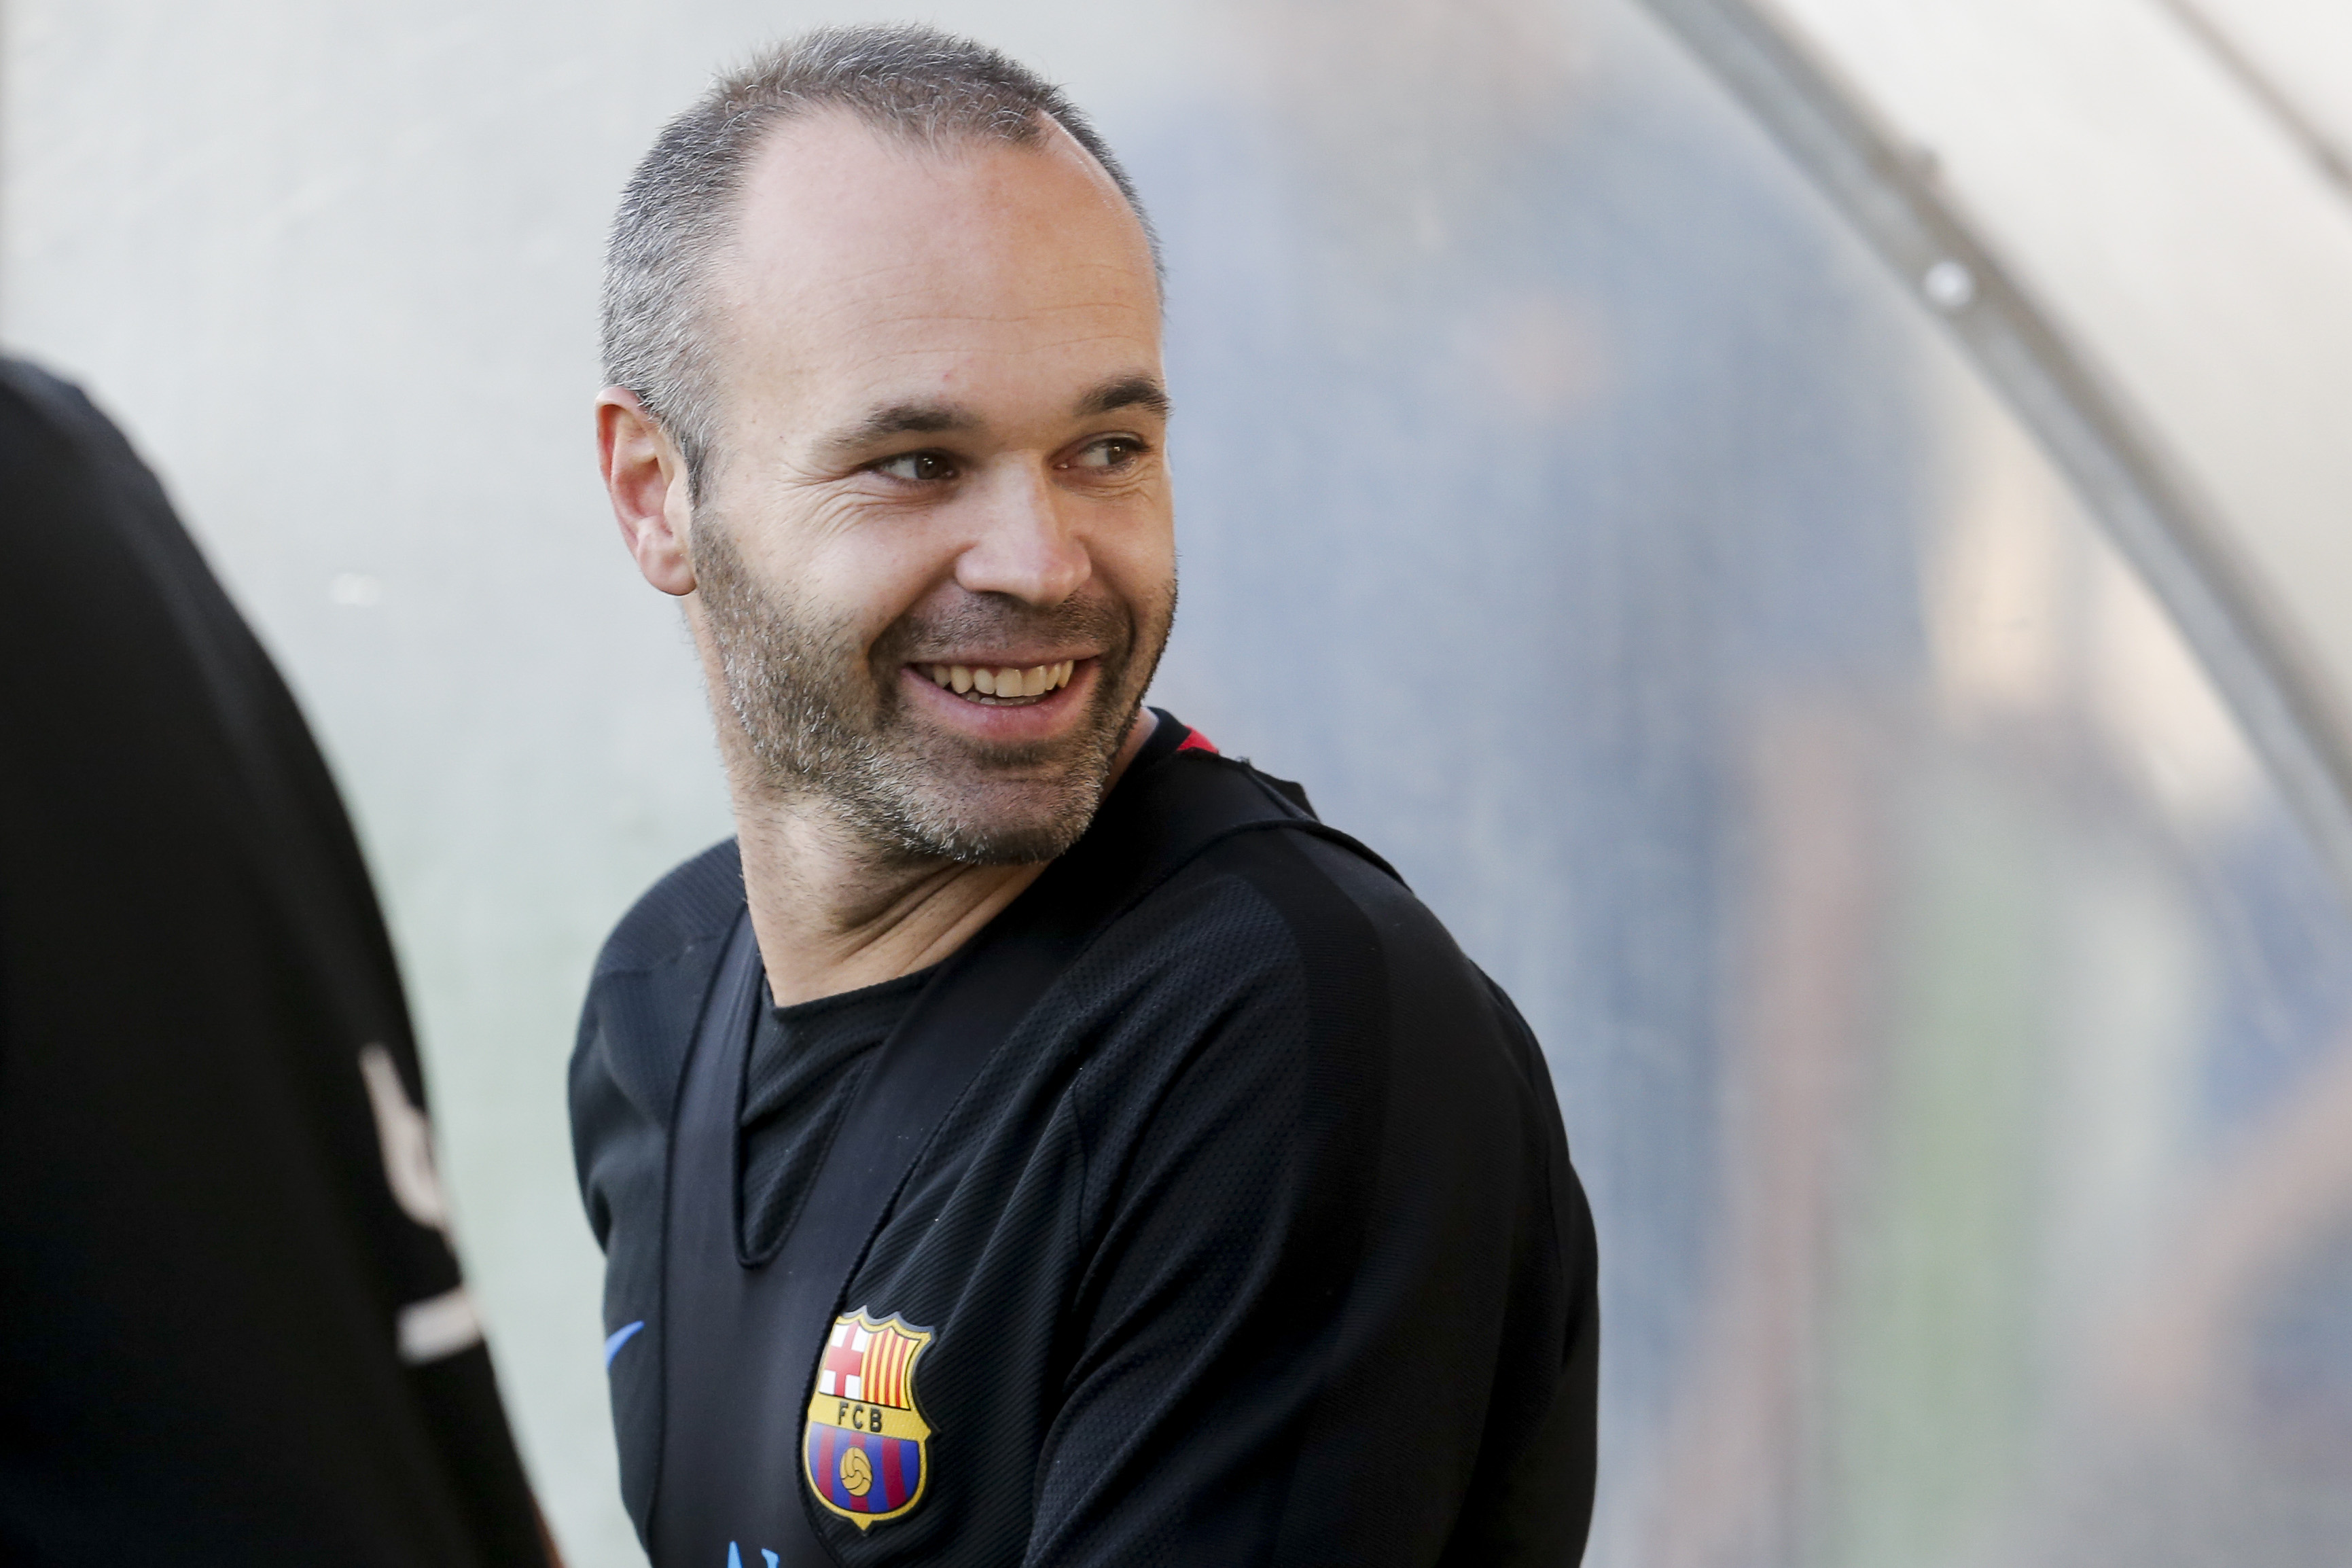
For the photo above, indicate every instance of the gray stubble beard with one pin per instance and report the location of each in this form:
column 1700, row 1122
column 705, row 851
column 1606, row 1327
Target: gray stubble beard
column 822, row 721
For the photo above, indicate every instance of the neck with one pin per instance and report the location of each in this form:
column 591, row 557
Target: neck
column 833, row 913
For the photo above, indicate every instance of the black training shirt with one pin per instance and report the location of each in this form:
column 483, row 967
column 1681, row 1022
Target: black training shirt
column 807, row 1063
column 1256, row 1241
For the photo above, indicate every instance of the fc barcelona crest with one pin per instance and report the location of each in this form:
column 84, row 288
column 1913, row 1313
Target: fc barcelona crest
column 866, row 1451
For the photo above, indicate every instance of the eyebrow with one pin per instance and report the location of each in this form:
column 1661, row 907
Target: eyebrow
column 932, row 418
column 1126, row 391
column 900, row 419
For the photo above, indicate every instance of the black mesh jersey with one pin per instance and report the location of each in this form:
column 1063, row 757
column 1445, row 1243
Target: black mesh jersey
column 807, row 1062
column 1256, row 1241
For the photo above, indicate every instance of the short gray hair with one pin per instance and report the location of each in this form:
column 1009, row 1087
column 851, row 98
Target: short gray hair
column 917, row 83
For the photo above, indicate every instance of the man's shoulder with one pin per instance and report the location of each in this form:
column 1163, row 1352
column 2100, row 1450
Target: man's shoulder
column 1287, row 994
column 33, row 401
column 693, row 905
column 1273, row 911
column 651, row 974
column 1335, row 898
column 647, row 986
column 1302, row 916
column 1255, row 865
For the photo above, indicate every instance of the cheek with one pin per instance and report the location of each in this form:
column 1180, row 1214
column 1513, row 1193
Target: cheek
column 830, row 553
column 1138, row 561
column 870, row 579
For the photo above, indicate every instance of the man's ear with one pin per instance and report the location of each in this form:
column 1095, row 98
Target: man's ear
column 645, row 473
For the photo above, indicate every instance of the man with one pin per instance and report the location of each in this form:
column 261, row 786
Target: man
column 1033, row 1137
column 235, row 1329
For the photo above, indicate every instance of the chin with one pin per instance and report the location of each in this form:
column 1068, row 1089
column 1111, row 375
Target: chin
column 1015, row 825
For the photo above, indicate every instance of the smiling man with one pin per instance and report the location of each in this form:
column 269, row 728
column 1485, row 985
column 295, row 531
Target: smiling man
column 1033, row 1137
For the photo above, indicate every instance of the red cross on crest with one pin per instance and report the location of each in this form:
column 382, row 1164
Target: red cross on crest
column 842, row 1371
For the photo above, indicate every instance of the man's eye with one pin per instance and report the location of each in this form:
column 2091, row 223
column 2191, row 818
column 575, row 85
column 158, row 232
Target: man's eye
column 922, row 468
column 1115, row 452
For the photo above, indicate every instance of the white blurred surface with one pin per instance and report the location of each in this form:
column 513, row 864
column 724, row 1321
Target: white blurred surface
column 2170, row 218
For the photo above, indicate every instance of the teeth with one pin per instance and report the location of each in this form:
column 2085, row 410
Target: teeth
column 1006, row 681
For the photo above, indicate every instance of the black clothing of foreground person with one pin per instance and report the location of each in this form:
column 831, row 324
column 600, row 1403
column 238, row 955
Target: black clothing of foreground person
column 236, row 1332
column 1033, row 1137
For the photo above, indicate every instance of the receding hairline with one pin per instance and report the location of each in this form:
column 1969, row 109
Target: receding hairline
column 939, row 147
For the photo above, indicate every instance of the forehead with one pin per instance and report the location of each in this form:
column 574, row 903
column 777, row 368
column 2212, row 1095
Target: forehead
column 856, row 257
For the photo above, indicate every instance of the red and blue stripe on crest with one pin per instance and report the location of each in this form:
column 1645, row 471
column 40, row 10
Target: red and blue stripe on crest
column 897, row 1464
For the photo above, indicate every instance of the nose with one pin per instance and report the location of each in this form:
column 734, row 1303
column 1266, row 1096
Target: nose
column 1024, row 547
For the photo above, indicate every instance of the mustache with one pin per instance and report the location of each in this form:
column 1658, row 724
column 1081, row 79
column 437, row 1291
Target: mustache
column 984, row 619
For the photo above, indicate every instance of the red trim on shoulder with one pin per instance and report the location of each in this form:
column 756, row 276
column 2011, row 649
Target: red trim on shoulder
column 1197, row 742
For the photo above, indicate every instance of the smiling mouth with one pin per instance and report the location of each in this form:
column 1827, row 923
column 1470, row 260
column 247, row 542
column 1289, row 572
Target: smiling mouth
column 1004, row 686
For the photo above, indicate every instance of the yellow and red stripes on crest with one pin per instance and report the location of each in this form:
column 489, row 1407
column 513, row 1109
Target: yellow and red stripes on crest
column 886, row 1355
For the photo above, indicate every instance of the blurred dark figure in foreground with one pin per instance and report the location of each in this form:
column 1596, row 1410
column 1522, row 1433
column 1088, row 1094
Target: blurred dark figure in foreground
column 232, row 1329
